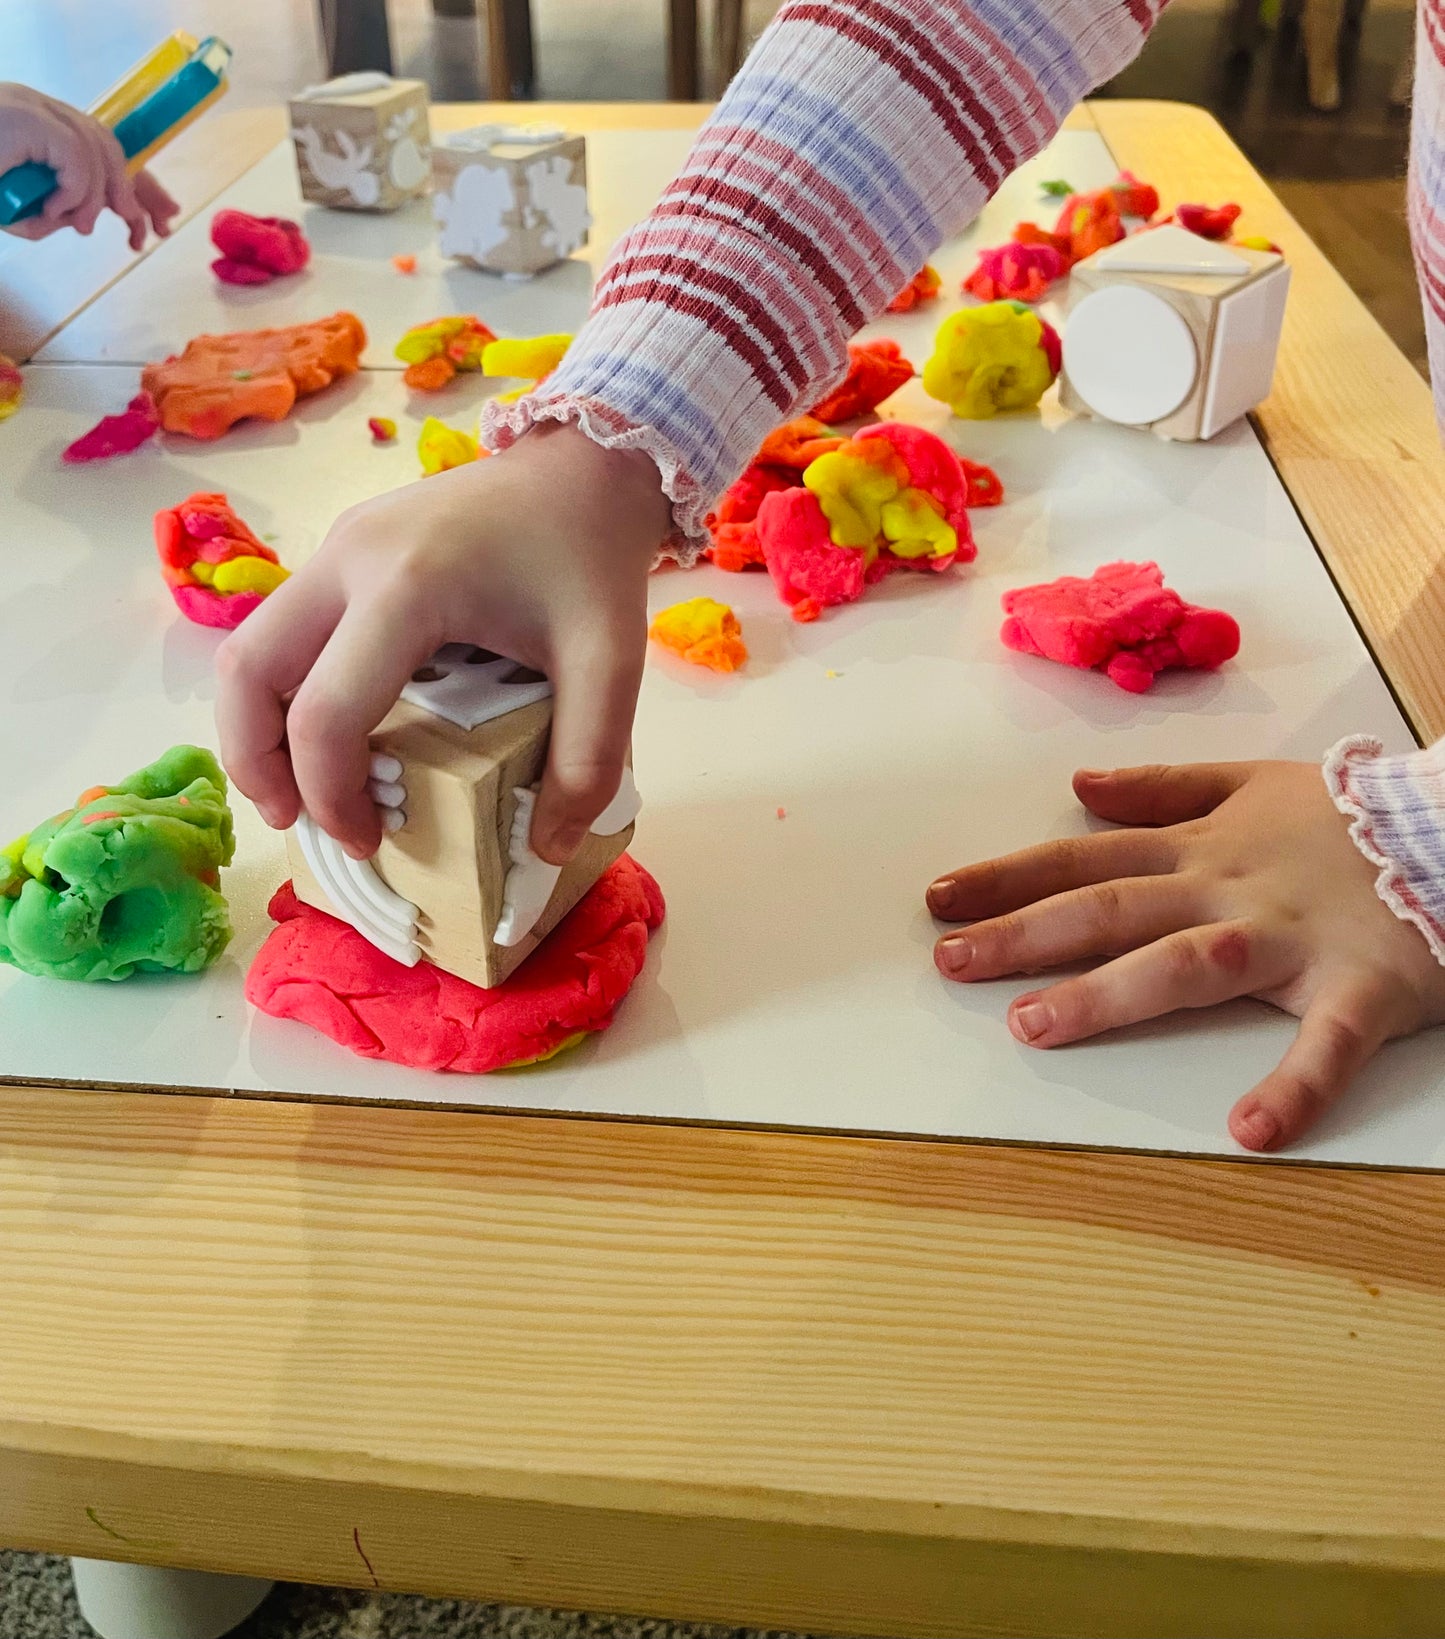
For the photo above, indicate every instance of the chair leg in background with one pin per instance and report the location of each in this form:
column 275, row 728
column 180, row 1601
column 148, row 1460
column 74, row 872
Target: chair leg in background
column 1320, row 31
column 355, row 36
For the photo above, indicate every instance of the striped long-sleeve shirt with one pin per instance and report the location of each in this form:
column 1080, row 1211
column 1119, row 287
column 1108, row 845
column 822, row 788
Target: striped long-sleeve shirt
column 859, row 135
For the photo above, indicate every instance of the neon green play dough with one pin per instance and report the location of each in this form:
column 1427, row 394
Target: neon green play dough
column 126, row 882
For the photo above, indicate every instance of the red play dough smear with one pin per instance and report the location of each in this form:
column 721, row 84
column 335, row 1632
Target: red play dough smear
column 319, row 971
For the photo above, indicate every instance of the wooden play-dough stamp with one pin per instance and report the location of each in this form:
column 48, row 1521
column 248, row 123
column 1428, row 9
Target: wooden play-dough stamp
column 362, row 142
column 1172, row 332
column 511, row 199
column 454, row 769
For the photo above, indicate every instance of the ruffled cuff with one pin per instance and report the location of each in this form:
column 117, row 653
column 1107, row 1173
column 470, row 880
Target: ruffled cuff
column 1396, row 809
column 503, row 424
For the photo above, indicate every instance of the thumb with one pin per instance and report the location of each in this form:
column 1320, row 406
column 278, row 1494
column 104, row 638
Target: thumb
column 1159, row 794
column 596, row 699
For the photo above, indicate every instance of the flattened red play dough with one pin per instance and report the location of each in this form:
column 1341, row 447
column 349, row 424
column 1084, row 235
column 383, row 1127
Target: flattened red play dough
column 1122, row 620
column 321, row 972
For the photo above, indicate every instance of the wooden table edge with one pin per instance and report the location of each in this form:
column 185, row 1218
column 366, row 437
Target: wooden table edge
column 1092, row 1556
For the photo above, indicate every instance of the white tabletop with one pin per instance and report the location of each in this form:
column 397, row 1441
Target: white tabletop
column 792, row 984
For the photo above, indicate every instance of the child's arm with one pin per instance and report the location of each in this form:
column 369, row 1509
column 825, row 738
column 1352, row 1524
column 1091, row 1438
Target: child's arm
column 859, row 134
column 1235, row 880
column 88, row 164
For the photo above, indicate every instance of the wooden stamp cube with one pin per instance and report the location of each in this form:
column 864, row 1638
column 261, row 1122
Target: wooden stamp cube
column 511, row 199
column 362, row 142
column 1172, row 332
column 451, row 862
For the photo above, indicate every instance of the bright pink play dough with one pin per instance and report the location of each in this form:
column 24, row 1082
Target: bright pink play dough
column 1121, row 618
column 116, row 434
column 256, row 249
column 321, row 972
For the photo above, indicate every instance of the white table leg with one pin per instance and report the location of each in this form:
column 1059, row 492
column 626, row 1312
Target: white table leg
column 150, row 1602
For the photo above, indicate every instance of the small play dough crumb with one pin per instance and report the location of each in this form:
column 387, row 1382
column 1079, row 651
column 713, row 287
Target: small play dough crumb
column 116, row 434
column 383, row 429
column 127, row 881
column 404, row 264
column 702, row 631
column 876, row 369
column 1122, row 620
column 440, row 447
column 321, row 972
column 256, row 249
column 218, row 570
column 782, row 813
column 12, row 387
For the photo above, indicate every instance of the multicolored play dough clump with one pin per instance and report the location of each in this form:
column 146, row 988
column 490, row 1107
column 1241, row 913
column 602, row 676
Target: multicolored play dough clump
column 703, row 632
column 220, row 380
column 127, row 881
column 1014, row 272
column 320, row 971
column 1121, row 620
column 435, row 351
column 894, row 497
column 986, row 359
column 217, row 569
column 876, row 370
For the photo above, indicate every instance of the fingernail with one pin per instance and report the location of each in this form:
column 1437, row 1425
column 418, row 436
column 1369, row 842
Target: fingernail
column 941, row 889
column 1092, row 774
column 1257, row 1130
column 1029, row 1020
column 955, row 953
column 270, row 816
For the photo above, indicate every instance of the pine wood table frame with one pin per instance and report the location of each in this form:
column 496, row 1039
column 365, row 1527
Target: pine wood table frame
column 850, row 1385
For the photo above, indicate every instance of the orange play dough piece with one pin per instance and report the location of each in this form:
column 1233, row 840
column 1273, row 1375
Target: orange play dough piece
column 220, row 380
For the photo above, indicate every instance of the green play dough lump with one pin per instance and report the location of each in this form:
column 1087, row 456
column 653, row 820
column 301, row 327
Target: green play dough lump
column 128, row 881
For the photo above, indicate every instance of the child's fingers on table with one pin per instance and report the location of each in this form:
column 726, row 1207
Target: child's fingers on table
column 355, row 681
column 1342, row 1029
column 258, row 667
column 1160, row 794
column 994, row 887
column 596, row 689
column 1196, row 967
column 1101, row 919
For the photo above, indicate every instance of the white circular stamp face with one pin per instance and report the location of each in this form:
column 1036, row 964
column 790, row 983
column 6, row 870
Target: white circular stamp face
column 1129, row 355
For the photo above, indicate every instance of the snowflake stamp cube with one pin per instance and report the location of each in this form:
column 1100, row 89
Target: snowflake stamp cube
column 511, row 199
column 1173, row 332
column 455, row 882
column 362, row 142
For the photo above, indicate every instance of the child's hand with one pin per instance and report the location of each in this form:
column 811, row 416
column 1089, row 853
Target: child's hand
column 88, row 164
column 540, row 554
column 1251, row 886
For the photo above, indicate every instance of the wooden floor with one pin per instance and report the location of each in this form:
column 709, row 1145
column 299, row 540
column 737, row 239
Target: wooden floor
column 1341, row 174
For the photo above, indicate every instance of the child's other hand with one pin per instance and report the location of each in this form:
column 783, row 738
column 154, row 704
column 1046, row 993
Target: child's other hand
column 1245, row 884
column 541, row 554
column 88, row 164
